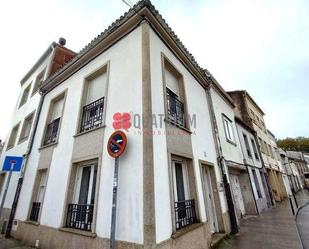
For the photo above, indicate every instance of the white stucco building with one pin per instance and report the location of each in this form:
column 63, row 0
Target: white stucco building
column 171, row 192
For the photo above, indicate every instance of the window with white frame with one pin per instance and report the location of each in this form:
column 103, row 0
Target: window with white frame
column 25, row 131
column 38, row 82
column 53, row 121
column 38, row 195
column 174, row 94
column 93, row 100
column 247, row 146
column 13, row 136
column 184, row 204
column 80, row 210
column 228, row 128
column 256, row 154
column 25, row 96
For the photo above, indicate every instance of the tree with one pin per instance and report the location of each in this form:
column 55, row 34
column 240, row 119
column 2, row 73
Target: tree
column 294, row 144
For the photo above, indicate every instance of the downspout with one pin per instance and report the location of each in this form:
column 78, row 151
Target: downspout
column 221, row 163
column 26, row 155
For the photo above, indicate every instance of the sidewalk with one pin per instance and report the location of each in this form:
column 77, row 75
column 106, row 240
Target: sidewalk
column 11, row 243
column 273, row 229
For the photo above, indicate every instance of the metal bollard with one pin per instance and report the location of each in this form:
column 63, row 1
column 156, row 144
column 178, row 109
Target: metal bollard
column 291, row 203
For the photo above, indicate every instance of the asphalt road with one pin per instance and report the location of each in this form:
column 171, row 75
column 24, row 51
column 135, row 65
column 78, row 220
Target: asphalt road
column 303, row 225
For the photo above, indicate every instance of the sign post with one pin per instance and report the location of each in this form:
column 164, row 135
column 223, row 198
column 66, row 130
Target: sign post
column 115, row 147
column 10, row 164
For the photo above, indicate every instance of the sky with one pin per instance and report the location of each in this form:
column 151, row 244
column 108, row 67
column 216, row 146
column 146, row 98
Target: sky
column 261, row 46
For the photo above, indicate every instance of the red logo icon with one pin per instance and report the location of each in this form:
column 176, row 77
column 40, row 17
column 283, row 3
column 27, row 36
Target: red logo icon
column 122, row 121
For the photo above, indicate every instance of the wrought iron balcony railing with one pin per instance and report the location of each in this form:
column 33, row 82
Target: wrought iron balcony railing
column 51, row 132
column 79, row 216
column 35, row 210
column 185, row 213
column 175, row 108
column 92, row 115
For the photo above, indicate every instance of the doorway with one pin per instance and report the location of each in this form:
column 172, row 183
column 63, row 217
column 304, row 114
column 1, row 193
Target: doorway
column 209, row 198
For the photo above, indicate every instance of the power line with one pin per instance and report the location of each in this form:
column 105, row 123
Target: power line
column 130, row 4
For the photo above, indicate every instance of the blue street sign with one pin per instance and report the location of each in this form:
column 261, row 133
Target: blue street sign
column 12, row 163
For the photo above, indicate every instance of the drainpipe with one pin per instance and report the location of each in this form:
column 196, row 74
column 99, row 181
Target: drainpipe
column 222, row 165
column 26, row 157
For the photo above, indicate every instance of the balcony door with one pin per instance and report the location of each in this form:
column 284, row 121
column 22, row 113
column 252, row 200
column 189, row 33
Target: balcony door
column 181, row 185
column 85, row 185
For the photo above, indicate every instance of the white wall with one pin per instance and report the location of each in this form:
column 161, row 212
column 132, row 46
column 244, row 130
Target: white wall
column 231, row 152
column 124, row 95
column 202, row 137
column 18, row 116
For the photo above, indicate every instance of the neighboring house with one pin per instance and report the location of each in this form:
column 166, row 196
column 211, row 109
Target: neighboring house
column 288, row 176
column 252, row 115
column 253, row 163
column 24, row 116
column 171, row 192
column 297, row 158
column 280, row 172
column 239, row 179
column 306, row 157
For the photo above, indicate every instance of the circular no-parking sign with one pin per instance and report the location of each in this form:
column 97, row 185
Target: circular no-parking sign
column 117, row 143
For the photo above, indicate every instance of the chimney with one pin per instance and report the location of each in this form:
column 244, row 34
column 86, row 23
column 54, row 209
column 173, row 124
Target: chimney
column 62, row 41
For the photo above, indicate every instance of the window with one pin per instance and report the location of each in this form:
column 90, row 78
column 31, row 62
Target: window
column 93, row 101
column 247, row 146
column 174, row 95
column 256, row 182
column 25, row 131
column 38, row 82
column 80, row 212
column 184, row 204
column 25, row 96
column 39, row 195
column 270, row 151
column 53, row 123
column 228, row 129
column 13, row 136
column 261, row 144
column 255, row 150
column 265, row 148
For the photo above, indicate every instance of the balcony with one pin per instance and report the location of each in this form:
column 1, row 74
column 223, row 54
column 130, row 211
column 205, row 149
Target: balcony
column 185, row 213
column 51, row 132
column 35, row 210
column 92, row 115
column 79, row 216
column 175, row 108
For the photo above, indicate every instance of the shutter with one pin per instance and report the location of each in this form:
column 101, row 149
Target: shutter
column 96, row 88
column 57, row 109
column 172, row 82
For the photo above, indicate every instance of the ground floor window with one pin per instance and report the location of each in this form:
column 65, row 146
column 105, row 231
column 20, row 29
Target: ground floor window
column 184, row 205
column 38, row 195
column 80, row 210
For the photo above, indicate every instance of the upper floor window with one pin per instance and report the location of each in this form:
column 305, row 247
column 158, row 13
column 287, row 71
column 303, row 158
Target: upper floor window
column 247, row 146
column 93, row 100
column 25, row 96
column 13, row 136
column 38, row 81
column 174, row 95
column 255, row 150
column 53, row 120
column 25, row 131
column 228, row 128
column 270, row 151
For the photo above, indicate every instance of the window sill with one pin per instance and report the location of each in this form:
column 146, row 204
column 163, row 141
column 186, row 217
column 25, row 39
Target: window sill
column 187, row 229
column 177, row 125
column 231, row 142
column 48, row 145
column 85, row 132
column 79, row 232
column 35, row 223
column 23, row 140
column 9, row 147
